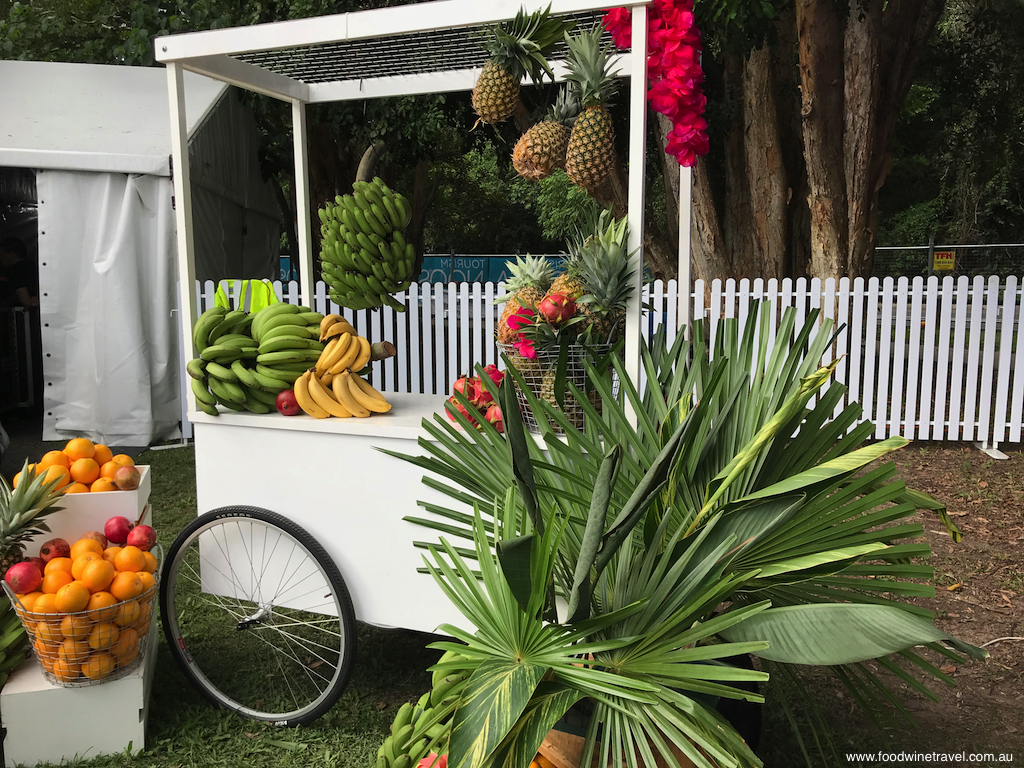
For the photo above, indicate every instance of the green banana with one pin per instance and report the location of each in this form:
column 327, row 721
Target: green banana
column 202, row 394
column 218, row 371
column 226, row 325
column 266, row 398
column 440, row 692
column 366, row 225
column 382, row 218
column 196, row 368
column 282, row 343
column 244, row 375
column 231, row 405
column 323, row 215
column 289, row 356
column 294, row 331
column 402, row 761
column 255, row 405
column 404, row 210
column 312, row 318
column 205, row 323
column 382, row 762
column 12, row 661
column 228, row 391
column 393, row 215
column 206, row 408
column 418, row 750
column 270, row 383
column 268, row 313
column 291, row 319
column 226, row 353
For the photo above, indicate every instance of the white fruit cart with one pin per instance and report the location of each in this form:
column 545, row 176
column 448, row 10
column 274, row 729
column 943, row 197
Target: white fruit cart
column 324, row 482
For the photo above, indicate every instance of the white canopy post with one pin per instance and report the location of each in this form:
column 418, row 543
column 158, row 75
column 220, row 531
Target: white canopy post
column 182, row 206
column 637, row 159
column 684, row 281
column 304, row 257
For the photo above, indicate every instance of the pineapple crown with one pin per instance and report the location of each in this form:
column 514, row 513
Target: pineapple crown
column 565, row 109
column 521, row 46
column 529, row 272
column 606, row 264
column 22, row 508
column 588, row 61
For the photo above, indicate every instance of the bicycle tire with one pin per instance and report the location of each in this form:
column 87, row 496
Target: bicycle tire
column 202, row 623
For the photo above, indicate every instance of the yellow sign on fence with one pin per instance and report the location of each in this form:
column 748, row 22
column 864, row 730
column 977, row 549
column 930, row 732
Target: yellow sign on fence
column 943, row 260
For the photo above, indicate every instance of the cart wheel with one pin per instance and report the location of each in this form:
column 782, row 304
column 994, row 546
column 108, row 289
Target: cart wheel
column 258, row 616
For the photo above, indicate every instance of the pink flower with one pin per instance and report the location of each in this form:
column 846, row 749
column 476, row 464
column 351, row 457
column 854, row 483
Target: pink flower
column 525, row 348
column 520, row 318
column 619, row 23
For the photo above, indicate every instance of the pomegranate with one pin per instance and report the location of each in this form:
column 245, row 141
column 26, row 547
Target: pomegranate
column 96, row 536
column 142, row 536
column 40, row 563
column 23, row 577
column 556, row 308
column 286, row 403
column 127, row 478
column 493, row 416
column 117, row 529
column 54, row 548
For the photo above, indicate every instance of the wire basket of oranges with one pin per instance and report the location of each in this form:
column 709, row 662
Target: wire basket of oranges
column 89, row 621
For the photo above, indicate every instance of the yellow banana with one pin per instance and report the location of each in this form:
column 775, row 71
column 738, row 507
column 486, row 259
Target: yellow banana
column 334, row 351
column 340, row 327
column 351, row 353
column 369, row 403
column 326, row 324
column 326, row 379
column 305, row 400
column 368, row 388
column 325, row 401
column 364, row 355
column 343, row 392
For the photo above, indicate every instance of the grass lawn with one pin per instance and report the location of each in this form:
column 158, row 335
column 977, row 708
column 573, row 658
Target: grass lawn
column 390, row 669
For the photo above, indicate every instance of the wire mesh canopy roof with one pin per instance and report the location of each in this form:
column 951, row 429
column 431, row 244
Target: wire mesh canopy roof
column 408, row 54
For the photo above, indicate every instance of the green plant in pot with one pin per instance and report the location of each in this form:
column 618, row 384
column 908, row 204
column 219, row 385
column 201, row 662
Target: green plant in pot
column 627, row 563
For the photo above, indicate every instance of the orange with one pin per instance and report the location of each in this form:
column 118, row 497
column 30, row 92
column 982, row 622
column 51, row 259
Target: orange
column 45, row 603
column 85, row 471
column 79, row 563
column 130, row 559
column 143, row 623
column 102, row 485
column 98, row 666
column 82, row 546
column 103, row 603
column 124, row 460
column 73, row 597
column 17, row 477
column 45, row 653
column 80, row 448
column 110, row 553
column 54, row 581
column 58, row 564
column 74, row 651
column 103, row 635
column 148, row 581
column 77, row 488
column 75, row 627
column 128, row 612
column 151, row 564
column 108, row 469
column 98, row 576
column 51, row 458
column 65, row 671
column 102, row 454
column 58, row 473
column 29, row 600
column 126, row 586
column 126, row 648
column 49, row 633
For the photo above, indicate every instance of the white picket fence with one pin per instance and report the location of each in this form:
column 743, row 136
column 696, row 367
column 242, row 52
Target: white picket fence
column 928, row 359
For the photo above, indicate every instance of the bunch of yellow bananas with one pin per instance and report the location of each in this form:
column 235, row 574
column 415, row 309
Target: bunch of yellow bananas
column 333, row 387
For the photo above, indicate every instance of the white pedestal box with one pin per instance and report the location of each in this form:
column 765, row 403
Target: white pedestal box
column 101, row 719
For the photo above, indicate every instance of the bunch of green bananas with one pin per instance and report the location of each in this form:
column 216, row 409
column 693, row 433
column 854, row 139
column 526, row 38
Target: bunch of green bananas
column 13, row 640
column 364, row 255
column 246, row 360
column 423, row 727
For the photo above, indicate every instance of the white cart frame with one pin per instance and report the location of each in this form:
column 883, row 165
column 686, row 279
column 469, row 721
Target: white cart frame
column 326, row 474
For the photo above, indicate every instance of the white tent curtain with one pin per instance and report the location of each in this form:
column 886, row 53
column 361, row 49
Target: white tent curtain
column 106, row 282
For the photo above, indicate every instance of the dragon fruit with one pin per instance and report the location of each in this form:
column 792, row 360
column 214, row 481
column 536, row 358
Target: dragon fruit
column 557, row 308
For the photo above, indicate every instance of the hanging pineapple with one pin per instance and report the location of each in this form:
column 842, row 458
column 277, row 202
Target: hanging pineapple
column 591, row 152
column 541, row 150
column 518, row 48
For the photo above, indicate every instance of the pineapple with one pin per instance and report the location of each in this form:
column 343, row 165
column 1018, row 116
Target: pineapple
column 541, row 150
column 530, row 280
column 572, row 281
column 21, row 513
column 609, row 277
column 517, row 49
column 590, row 153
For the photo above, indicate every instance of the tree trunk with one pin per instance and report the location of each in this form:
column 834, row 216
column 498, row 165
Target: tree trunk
column 423, row 191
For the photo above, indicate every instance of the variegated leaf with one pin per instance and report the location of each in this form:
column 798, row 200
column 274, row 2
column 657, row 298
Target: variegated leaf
column 549, row 704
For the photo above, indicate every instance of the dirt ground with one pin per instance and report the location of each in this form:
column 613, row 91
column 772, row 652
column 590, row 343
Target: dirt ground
column 979, row 598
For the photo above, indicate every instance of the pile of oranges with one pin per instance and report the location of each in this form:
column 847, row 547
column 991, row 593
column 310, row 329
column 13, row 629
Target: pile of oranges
column 91, row 612
column 82, row 466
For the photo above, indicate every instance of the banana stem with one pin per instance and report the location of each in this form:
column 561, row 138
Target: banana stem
column 382, row 350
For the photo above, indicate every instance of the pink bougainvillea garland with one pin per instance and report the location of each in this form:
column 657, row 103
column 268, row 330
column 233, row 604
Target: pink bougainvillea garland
column 673, row 70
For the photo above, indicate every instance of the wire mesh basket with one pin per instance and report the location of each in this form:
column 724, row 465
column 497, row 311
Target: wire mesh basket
column 94, row 646
column 540, row 376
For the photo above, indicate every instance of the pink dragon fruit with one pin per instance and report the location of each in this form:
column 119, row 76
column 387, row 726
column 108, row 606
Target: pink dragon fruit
column 556, row 308
column 493, row 416
column 461, row 409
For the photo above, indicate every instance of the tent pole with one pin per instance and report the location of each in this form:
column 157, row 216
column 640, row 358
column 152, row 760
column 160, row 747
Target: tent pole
column 182, row 212
column 684, row 287
column 304, row 257
column 637, row 164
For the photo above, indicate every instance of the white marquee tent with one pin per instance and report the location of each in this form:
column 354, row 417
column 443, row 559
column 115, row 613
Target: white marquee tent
column 98, row 140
